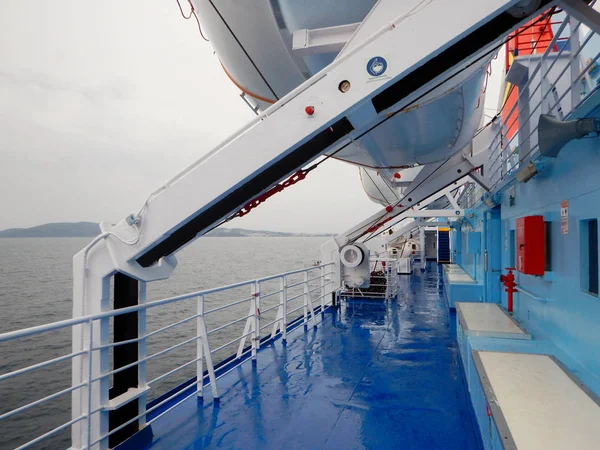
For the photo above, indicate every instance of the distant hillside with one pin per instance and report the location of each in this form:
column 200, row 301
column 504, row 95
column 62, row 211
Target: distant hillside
column 53, row 230
column 241, row 232
column 90, row 229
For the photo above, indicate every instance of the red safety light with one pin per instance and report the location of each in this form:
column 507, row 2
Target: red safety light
column 397, row 175
column 310, row 110
column 389, row 208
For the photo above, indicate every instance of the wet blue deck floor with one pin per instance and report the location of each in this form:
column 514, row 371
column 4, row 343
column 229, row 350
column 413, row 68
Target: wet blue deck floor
column 371, row 375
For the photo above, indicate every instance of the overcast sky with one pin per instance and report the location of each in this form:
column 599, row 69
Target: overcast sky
column 100, row 102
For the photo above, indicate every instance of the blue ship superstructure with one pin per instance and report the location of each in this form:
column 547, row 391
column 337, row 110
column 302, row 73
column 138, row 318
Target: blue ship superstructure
column 463, row 315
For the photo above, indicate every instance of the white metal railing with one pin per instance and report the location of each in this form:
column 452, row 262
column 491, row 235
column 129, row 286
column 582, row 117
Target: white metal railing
column 473, row 196
column 383, row 283
column 558, row 83
column 213, row 329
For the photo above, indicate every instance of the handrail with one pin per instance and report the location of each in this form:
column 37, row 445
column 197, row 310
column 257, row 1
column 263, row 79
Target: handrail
column 53, row 326
column 546, row 90
column 530, row 294
column 537, row 69
column 315, row 289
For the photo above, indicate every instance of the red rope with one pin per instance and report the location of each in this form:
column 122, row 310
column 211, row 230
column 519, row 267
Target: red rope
column 377, row 226
column 189, row 16
column 182, row 13
column 295, row 178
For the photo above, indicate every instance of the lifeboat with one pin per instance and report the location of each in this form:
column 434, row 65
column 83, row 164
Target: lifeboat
column 264, row 47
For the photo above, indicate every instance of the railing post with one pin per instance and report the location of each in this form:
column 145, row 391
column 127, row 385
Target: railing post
column 142, row 366
column 322, row 290
column 249, row 327
column 278, row 323
column 523, row 120
column 254, row 319
column 256, row 290
column 306, row 297
column 308, row 306
column 284, row 299
column 387, row 281
column 422, row 245
column 544, row 86
column 574, row 62
column 203, row 338
column 200, row 346
column 90, row 327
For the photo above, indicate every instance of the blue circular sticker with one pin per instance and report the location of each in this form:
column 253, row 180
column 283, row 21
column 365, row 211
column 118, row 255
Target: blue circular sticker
column 376, row 66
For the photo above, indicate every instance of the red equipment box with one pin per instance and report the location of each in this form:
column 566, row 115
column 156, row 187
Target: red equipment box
column 531, row 241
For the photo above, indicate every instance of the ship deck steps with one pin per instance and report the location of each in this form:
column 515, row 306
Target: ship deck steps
column 536, row 402
column 372, row 374
column 443, row 255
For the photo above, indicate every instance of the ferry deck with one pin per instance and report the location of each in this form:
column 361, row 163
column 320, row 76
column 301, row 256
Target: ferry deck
column 372, row 374
column 493, row 344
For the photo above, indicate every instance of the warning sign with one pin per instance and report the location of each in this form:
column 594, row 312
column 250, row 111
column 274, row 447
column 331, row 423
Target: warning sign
column 564, row 217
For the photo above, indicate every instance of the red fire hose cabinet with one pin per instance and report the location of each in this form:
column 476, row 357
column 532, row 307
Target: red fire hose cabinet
column 530, row 249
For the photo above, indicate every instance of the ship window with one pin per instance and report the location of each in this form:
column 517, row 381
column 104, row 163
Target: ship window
column 548, row 252
column 414, row 246
column 589, row 256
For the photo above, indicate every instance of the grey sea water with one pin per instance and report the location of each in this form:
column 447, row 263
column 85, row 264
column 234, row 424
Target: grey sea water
column 35, row 288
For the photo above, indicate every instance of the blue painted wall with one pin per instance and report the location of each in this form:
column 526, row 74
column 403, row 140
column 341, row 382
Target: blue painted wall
column 566, row 314
column 456, row 245
column 493, row 245
column 487, row 222
column 472, row 263
column 468, row 260
column 569, row 316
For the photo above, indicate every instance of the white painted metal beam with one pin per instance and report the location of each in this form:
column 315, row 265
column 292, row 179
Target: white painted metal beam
column 583, row 12
column 461, row 194
column 410, row 225
column 452, row 200
column 436, row 213
column 447, row 191
column 322, row 40
column 431, row 183
column 283, row 128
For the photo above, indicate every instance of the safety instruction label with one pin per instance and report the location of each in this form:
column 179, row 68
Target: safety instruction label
column 376, row 68
column 564, row 217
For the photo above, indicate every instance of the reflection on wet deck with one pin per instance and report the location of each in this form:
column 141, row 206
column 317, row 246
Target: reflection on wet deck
column 371, row 375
